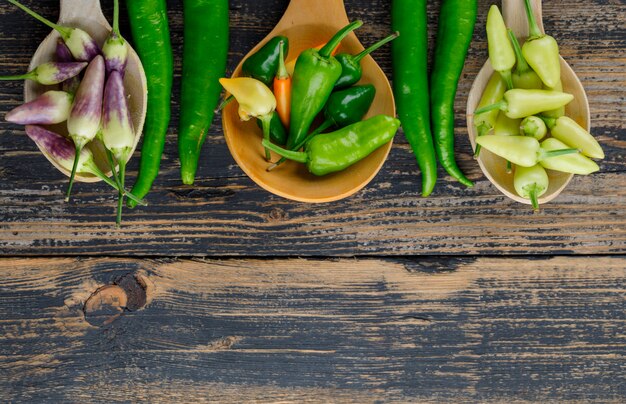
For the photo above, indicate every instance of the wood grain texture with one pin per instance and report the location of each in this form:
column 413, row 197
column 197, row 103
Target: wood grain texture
column 225, row 214
column 366, row 330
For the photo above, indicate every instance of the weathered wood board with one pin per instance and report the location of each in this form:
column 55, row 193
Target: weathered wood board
column 226, row 214
column 366, row 330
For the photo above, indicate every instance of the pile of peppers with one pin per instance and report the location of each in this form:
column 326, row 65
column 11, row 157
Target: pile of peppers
column 521, row 115
column 322, row 84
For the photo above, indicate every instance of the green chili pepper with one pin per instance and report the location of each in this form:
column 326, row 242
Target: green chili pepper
column 205, row 53
column 533, row 126
column 501, row 54
column 531, row 183
column 331, row 152
column 456, row 26
column 151, row 35
column 409, row 56
column 520, row 103
column 558, row 112
column 571, row 163
column 263, row 64
column 314, row 77
column 506, row 126
column 493, row 93
column 278, row 133
column 520, row 150
column 344, row 107
column 523, row 75
column 541, row 51
column 351, row 70
column 571, row 133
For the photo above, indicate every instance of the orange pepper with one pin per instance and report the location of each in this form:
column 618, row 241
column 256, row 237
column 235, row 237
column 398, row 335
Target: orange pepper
column 282, row 90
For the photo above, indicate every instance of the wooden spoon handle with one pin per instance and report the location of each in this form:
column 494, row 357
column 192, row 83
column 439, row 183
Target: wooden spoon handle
column 73, row 11
column 300, row 12
column 515, row 16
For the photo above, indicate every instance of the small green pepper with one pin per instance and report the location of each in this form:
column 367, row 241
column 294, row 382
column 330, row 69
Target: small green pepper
column 541, row 51
column 506, row 126
column 531, row 183
column 571, row 133
column 493, row 93
column 533, row 126
column 263, row 64
column 501, row 55
column 571, row 163
column 331, row 152
column 523, row 75
column 520, row 103
column 314, row 78
column 351, row 70
column 520, row 150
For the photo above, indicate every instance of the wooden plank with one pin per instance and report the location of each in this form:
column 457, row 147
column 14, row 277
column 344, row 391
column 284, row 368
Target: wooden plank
column 485, row 329
column 226, row 214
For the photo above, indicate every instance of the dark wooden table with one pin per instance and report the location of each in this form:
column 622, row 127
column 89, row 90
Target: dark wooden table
column 233, row 294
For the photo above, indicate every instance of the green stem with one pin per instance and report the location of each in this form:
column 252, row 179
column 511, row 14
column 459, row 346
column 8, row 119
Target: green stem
column 509, row 167
column 357, row 58
column 225, row 103
column 556, row 153
column 64, row 31
column 482, row 129
column 120, row 198
column 300, row 157
column 550, row 122
column 508, row 79
column 265, row 122
column 120, row 186
column 501, row 105
column 533, row 197
column 26, row 76
column 78, row 148
column 522, row 65
column 116, row 17
column 93, row 169
column 282, row 69
column 339, row 36
column 325, row 125
column 533, row 28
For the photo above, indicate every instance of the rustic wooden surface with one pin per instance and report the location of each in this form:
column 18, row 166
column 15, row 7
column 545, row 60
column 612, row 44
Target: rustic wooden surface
column 423, row 310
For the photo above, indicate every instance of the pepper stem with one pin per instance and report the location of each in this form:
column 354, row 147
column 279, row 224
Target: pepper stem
column 116, row 17
column 326, row 51
column 357, row 58
column 325, row 125
column 509, row 167
column 282, row 73
column 508, row 78
column 93, row 169
column 483, row 129
column 120, row 197
column 77, row 150
column 265, row 123
column 224, row 103
column 64, row 31
column 556, row 153
column 550, row 122
column 25, row 76
column 533, row 28
column 522, row 65
column 120, row 186
column 300, row 157
column 501, row 105
column 533, row 197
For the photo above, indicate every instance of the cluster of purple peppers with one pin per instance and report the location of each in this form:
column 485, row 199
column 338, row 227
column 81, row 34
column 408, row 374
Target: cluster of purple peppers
column 95, row 107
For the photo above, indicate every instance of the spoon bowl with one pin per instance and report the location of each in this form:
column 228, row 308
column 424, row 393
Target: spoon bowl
column 308, row 24
column 494, row 167
column 87, row 15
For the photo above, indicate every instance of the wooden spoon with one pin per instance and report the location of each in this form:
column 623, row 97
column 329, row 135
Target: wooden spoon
column 494, row 167
column 307, row 24
column 87, row 15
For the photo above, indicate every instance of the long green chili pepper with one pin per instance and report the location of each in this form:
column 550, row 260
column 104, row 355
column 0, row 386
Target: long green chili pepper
column 205, row 52
column 493, row 93
column 151, row 36
column 351, row 70
column 501, row 55
column 331, row 152
column 523, row 75
column 314, row 77
column 456, row 26
column 409, row 54
column 541, row 51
